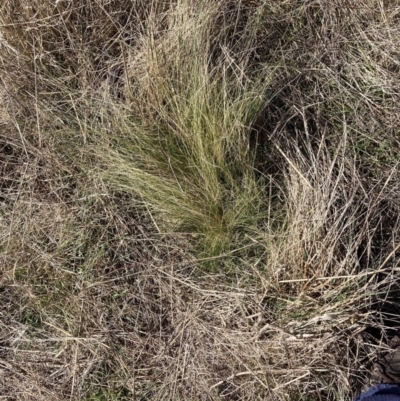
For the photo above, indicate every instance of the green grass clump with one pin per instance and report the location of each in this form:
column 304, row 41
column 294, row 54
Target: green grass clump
column 185, row 146
column 193, row 163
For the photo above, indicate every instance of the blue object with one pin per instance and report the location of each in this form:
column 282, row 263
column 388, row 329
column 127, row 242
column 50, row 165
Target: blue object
column 381, row 392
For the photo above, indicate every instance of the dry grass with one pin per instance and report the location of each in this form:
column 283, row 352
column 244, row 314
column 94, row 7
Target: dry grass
column 199, row 200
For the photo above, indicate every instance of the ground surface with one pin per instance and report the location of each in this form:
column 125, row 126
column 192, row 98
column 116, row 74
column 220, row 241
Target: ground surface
column 199, row 200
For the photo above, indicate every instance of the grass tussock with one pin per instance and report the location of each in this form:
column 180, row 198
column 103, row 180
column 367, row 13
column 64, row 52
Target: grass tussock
column 182, row 141
column 198, row 199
